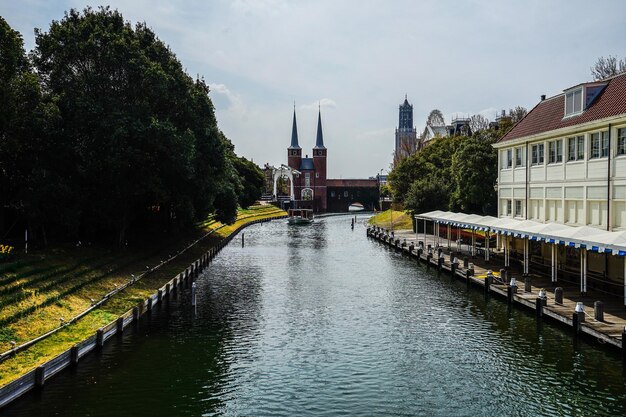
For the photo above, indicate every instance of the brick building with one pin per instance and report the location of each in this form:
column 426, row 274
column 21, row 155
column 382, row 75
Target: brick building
column 312, row 187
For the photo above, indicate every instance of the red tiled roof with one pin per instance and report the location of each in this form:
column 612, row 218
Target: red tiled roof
column 548, row 114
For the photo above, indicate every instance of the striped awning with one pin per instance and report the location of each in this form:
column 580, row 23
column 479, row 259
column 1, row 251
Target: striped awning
column 585, row 237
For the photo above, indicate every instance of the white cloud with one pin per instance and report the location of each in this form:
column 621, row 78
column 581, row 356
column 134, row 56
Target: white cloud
column 462, row 58
column 324, row 103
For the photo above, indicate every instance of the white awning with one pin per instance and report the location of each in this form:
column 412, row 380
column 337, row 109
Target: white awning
column 587, row 237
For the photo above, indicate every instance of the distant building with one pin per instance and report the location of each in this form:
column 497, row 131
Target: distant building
column 432, row 132
column 460, row 127
column 406, row 134
column 313, row 190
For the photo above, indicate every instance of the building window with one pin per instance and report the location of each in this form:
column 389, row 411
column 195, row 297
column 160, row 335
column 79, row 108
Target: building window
column 555, row 151
column 345, row 193
column 509, row 158
column 307, row 179
column 574, row 102
column 599, row 145
column 307, row 194
column 332, row 194
column 519, row 161
column 621, row 141
column 508, row 207
column 518, row 208
column 537, row 154
column 576, row 148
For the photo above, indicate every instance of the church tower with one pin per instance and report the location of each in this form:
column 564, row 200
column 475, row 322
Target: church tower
column 319, row 161
column 406, row 134
column 294, row 152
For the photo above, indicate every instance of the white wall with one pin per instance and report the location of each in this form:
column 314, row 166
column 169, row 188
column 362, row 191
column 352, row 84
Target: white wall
column 573, row 192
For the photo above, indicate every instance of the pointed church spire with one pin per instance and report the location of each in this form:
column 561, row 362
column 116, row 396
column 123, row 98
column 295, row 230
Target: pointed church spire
column 319, row 143
column 294, row 130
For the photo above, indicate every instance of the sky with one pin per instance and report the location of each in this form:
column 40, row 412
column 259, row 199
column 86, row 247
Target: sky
column 356, row 60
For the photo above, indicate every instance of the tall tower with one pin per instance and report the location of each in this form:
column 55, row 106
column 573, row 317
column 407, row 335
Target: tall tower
column 294, row 152
column 319, row 161
column 406, row 134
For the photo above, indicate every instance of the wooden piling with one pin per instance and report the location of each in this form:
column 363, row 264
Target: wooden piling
column 74, row 355
column 558, row 295
column 40, row 376
column 598, row 310
column 100, row 338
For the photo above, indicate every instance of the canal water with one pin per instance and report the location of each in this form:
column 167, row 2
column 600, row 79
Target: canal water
column 321, row 321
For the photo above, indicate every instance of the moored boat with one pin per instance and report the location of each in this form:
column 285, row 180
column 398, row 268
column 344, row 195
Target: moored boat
column 300, row 216
column 356, row 207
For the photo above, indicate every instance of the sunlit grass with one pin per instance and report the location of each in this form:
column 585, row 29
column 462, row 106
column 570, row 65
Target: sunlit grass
column 104, row 280
column 398, row 220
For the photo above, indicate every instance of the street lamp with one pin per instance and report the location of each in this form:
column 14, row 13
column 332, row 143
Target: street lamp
column 380, row 190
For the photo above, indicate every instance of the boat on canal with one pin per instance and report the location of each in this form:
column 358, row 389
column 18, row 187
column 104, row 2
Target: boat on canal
column 356, row 207
column 300, row 216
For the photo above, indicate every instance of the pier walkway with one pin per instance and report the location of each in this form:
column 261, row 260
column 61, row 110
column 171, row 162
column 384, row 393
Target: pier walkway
column 605, row 321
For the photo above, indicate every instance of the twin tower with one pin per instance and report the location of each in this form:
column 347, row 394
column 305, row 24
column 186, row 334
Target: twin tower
column 310, row 185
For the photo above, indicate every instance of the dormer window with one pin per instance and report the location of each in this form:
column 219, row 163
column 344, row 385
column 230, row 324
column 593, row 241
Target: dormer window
column 574, row 102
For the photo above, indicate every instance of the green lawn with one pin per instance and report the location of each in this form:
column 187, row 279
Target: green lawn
column 398, row 220
column 38, row 290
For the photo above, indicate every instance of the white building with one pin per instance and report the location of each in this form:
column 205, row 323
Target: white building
column 565, row 161
column 561, row 191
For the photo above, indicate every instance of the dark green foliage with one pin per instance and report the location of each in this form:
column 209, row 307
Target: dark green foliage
column 454, row 173
column 474, row 166
column 424, row 180
column 111, row 133
column 252, row 181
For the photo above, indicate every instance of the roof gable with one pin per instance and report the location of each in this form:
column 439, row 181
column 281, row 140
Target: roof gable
column 549, row 114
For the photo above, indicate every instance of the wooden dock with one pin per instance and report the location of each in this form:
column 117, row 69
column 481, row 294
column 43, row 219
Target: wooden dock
column 609, row 330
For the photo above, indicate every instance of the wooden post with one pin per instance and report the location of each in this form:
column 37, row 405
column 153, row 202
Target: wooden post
column 40, row 376
column 119, row 325
column 135, row 314
column 74, row 355
column 576, row 323
column 598, row 310
column 527, row 284
column 99, row 338
column 558, row 295
column 539, row 303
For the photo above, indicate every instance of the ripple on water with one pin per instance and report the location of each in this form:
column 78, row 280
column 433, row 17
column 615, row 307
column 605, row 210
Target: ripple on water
column 321, row 321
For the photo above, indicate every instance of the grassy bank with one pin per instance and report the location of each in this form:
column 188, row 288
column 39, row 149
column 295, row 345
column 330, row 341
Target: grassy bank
column 36, row 292
column 398, row 219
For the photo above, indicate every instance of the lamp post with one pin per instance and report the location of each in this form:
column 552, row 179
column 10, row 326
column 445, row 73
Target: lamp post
column 380, row 190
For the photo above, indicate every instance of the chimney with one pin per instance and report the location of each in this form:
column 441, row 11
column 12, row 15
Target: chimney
column 543, row 97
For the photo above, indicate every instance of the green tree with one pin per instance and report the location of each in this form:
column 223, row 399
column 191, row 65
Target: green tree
column 252, row 181
column 474, row 168
column 139, row 132
column 27, row 142
column 432, row 167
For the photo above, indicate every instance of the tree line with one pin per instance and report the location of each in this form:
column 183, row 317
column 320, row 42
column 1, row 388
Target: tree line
column 102, row 133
